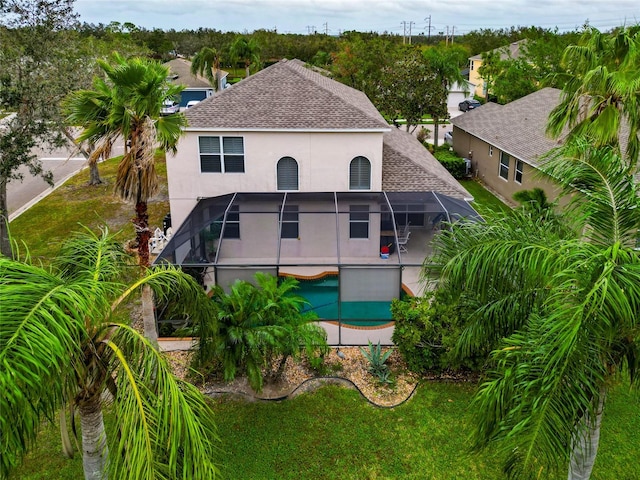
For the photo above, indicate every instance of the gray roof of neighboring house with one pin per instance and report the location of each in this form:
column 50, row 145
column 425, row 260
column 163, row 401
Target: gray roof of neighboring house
column 517, row 128
column 409, row 167
column 287, row 95
column 181, row 68
column 508, row 51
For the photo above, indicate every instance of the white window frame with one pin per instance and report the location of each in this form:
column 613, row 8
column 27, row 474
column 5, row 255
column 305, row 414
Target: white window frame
column 221, row 154
column 358, row 214
column 291, row 216
column 519, row 171
column 278, row 186
column 352, row 178
column 501, row 166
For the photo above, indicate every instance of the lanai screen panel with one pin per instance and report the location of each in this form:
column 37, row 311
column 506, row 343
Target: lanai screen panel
column 227, row 276
column 309, row 230
column 360, row 284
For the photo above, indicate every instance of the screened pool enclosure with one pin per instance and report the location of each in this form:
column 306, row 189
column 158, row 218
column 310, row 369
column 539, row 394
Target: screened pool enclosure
column 353, row 252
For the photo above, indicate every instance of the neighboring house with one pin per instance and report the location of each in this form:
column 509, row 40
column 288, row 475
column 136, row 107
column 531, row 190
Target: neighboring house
column 505, row 142
column 475, row 62
column 458, row 93
column 292, row 173
column 197, row 87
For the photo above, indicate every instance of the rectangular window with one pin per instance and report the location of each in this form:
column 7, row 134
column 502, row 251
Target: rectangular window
column 221, row 154
column 290, row 222
column 471, row 65
column 504, row 165
column 358, row 221
column 232, row 227
column 519, row 168
column 491, row 150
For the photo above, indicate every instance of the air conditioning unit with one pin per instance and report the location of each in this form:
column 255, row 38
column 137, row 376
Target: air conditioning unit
column 467, row 167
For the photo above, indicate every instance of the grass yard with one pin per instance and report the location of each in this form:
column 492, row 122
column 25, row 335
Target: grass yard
column 334, row 433
column 43, row 227
column 484, row 200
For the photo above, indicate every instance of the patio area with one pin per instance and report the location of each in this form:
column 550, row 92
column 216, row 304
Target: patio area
column 353, row 252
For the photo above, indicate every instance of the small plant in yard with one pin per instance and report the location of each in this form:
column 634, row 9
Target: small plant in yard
column 377, row 362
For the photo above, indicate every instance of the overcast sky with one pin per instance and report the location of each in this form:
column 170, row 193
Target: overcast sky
column 335, row 16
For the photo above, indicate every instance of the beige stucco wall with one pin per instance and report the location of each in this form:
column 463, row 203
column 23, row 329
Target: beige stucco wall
column 486, row 167
column 318, row 237
column 323, row 165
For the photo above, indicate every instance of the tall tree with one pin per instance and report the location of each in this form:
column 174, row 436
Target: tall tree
column 408, row 89
column 65, row 339
column 602, row 90
column 35, row 73
column 127, row 103
column 207, row 62
column 445, row 64
column 246, row 52
column 559, row 306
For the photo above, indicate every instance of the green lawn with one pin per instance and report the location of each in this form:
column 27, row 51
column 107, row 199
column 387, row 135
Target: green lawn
column 484, row 200
column 334, row 433
column 46, row 224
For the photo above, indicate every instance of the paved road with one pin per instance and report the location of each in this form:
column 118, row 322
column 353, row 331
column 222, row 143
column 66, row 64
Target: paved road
column 22, row 195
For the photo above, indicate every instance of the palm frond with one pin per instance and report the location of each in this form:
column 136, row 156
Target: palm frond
column 166, row 426
column 42, row 328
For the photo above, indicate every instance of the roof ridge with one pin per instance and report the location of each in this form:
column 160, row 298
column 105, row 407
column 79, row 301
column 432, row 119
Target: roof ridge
column 303, row 65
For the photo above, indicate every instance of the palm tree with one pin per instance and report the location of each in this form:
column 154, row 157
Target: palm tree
column 560, row 308
column 255, row 324
column 128, row 104
column 65, row 340
column 445, row 65
column 601, row 90
column 246, row 52
column 534, row 200
column 207, row 62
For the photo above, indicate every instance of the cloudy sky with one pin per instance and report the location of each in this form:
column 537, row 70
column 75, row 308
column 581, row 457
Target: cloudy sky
column 335, row 16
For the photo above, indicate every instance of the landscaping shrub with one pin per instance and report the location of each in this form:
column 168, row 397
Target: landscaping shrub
column 426, row 332
column 453, row 163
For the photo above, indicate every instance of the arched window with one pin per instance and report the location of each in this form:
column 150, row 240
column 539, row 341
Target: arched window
column 287, row 174
column 360, row 174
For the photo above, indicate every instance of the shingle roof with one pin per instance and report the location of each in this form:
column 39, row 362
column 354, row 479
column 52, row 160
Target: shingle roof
column 409, row 167
column 287, row 95
column 182, row 69
column 508, row 51
column 517, row 128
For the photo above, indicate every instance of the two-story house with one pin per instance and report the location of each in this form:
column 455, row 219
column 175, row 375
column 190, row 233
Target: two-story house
column 509, row 51
column 292, row 173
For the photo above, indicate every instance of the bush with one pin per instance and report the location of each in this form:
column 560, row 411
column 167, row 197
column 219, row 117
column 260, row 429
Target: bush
column 454, row 164
column 426, row 332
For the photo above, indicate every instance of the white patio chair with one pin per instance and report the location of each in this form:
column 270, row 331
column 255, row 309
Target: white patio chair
column 402, row 242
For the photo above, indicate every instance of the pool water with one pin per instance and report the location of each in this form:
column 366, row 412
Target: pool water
column 322, row 294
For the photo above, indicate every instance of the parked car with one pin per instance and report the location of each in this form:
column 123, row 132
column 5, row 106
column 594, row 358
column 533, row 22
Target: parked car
column 448, row 138
column 468, row 104
column 191, row 103
column 169, row 107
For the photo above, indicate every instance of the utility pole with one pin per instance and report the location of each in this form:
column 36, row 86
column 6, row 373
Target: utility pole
column 446, row 39
column 410, row 23
column 453, row 29
column 311, row 28
column 326, row 28
column 404, row 32
column 429, row 27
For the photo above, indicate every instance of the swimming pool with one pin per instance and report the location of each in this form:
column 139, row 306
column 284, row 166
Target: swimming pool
column 322, row 294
